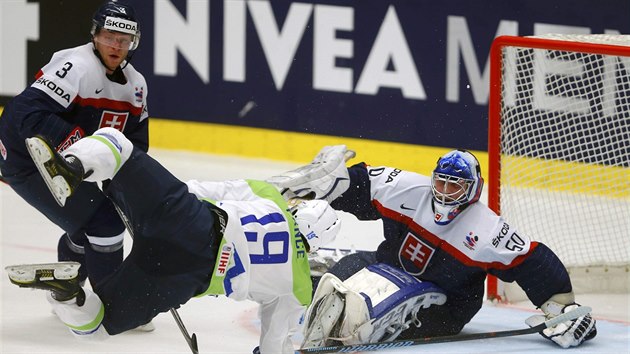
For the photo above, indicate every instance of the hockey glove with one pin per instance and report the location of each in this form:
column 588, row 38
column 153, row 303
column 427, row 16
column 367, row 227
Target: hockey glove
column 326, row 177
column 567, row 334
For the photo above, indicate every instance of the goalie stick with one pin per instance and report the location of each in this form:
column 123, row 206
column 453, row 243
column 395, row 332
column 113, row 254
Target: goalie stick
column 571, row 315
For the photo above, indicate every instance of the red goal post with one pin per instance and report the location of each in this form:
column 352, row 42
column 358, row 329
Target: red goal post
column 559, row 152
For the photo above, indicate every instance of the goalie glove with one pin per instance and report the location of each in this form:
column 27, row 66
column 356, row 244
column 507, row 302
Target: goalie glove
column 326, row 177
column 376, row 304
column 567, row 334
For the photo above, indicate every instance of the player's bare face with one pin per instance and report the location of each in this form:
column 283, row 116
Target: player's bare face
column 113, row 47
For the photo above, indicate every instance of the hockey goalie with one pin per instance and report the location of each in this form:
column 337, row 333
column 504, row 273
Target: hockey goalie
column 440, row 243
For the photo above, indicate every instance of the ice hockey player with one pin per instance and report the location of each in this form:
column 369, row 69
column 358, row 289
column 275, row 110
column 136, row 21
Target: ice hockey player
column 437, row 231
column 79, row 91
column 240, row 239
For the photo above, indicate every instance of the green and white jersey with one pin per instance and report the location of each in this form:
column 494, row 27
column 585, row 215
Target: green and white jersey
column 261, row 257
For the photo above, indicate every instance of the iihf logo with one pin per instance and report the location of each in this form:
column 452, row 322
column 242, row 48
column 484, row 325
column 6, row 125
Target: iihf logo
column 471, row 241
column 223, row 261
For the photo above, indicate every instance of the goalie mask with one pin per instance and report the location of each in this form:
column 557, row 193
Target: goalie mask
column 317, row 221
column 117, row 17
column 456, row 183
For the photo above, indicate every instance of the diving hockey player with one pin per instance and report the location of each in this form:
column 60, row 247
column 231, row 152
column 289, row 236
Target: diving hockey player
column 241, row 239
column 436, row 231
column 79, row 91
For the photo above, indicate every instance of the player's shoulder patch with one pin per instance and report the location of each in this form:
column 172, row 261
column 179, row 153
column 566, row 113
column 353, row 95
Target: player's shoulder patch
column 81, row 58
column 61, row 77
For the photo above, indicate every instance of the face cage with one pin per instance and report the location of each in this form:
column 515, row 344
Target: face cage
column 464, row 185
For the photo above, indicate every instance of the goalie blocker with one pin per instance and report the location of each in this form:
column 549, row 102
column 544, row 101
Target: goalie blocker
column 376, row 304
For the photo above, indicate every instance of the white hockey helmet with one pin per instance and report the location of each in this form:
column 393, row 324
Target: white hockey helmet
column 456, row 183
column 317, row 221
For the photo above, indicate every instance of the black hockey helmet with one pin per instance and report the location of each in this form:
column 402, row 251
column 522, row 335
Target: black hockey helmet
column 117, row 16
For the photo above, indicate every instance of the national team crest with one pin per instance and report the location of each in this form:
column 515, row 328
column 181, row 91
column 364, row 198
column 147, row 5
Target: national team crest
column 414, row 255
column 116, row 120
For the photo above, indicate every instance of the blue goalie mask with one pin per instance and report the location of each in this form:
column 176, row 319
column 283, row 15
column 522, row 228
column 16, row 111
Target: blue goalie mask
column 117, row 16
column 456, row 183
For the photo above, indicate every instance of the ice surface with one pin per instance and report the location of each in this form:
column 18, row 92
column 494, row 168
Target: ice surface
column 226, row 326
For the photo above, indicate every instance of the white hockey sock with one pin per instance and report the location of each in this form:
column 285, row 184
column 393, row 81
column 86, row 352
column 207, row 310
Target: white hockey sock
column 103, row 153
column 83, row 321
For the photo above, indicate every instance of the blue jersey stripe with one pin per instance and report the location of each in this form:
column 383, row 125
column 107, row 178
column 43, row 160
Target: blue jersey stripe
column 267, row 219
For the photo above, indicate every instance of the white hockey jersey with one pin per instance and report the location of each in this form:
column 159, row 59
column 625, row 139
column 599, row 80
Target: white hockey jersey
column 478, row 238
column 261, row 257
column 77, row 76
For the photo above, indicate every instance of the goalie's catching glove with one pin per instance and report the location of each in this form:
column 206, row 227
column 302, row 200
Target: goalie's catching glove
column 566, row 334
column 326, row 177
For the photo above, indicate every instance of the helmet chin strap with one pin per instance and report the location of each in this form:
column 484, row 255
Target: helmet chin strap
column 127, row 60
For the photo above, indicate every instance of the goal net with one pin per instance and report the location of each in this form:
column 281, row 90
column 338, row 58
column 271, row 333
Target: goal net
column 559, row 152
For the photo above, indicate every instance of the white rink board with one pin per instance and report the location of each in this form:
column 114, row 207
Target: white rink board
column 223, row 325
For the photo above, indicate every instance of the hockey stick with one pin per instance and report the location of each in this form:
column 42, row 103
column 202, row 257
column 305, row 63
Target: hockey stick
column 190, row 339
column 571, row 315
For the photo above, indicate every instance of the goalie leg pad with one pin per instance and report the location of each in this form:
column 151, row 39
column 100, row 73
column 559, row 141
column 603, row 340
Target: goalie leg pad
column 324, row 313
column 389, row 299
column 380, row 302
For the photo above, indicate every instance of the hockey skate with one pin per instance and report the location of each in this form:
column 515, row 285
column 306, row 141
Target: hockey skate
column 60, row 278
column 62, row 175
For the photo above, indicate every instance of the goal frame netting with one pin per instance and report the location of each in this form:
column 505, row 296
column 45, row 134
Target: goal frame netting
column 605, row 45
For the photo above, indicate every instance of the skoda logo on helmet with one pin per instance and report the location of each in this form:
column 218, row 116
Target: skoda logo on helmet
column 120, row 25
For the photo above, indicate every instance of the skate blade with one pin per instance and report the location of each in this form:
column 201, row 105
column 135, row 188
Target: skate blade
column 41, row 153
column 24, row 273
